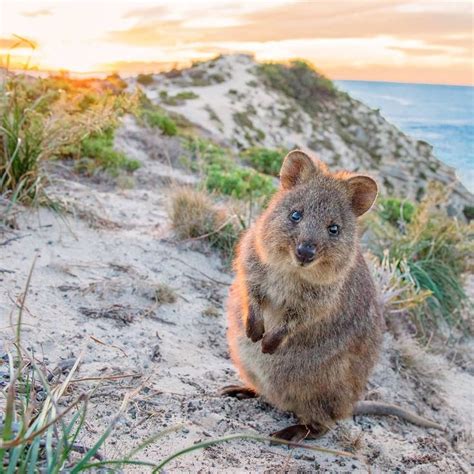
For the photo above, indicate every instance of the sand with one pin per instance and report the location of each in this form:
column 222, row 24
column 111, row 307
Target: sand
column 97, row 272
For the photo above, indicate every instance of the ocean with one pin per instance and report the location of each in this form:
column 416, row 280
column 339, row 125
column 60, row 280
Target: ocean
column 441, row 115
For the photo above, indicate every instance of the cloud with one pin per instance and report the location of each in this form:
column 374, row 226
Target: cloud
column 146, row 12
column 454, row 74
column 135, row 67
column 37, row 13
column 430, row 51
column 301, row 20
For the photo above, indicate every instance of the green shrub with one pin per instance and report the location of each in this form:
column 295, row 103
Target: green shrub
column 265, row 160
column 177, row 99
column 204, row 153
column 242, row 119
column 97, row 152
column 468, row 212
column 158, row 119
column 145, row 79
column 394, row 210
column 239, row 182
column 223, row 175
column 300, row 81
column 186, row 95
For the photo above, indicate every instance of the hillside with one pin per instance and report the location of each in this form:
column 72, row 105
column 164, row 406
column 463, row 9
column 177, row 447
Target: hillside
column 241, row 103
column 142, row 307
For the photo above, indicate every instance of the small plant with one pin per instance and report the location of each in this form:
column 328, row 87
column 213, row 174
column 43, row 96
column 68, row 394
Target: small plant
column 177, row 99
column 222, row 175
column 211, row 312
column 204, row 153
column 158, row 119
column 145, row 79
column 155, row 116
column 164, row 294
column 212, row 114
column 265, row 160
column 468, row 212
column 239, row 182
column 97, row 153
column 396, row 211
column 242, row 119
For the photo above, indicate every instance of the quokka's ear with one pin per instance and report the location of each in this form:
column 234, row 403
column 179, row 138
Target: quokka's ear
column 363, row 191
column 297, row 168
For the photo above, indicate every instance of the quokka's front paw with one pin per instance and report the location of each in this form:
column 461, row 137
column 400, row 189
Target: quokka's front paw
column 272, row 339
column 255, row 327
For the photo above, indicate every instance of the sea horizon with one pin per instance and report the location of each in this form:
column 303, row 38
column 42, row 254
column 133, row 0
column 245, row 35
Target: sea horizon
column 440, row 114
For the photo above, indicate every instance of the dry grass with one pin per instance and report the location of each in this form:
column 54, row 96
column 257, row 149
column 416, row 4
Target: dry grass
column 194, row 216
column 211, row 312
column 164, row 294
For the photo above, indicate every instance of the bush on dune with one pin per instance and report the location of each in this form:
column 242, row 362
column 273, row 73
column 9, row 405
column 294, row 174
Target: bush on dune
column 300, row 81
column 97, row 153
column 239, row 182
column 223, row 175
column 265, row 160
column 155, row 116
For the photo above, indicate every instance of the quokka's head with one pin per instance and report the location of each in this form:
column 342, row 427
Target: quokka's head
column 311, row 223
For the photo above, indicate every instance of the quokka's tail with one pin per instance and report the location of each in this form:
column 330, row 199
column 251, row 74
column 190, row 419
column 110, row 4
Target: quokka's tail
column 387, row 409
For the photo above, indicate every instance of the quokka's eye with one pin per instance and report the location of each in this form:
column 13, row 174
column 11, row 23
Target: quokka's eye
column 333, row 230
column 296, row 216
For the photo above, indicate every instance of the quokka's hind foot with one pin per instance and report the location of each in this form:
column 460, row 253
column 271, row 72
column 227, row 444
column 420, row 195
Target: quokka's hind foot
column 238, row 391
column 297, row 433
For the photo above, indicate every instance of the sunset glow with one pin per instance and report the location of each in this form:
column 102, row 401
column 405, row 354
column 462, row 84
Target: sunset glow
column 409, row 41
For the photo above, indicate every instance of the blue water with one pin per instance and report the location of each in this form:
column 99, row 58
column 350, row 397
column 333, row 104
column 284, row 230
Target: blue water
column 440, row 115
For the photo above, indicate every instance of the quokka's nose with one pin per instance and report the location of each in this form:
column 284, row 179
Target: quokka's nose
column 305, row 252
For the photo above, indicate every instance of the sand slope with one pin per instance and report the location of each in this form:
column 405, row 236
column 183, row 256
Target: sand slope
column 96, row 275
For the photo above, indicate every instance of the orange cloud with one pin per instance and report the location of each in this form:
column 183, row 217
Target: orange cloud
column 36, row 13
column 367, row 39
column 304, row 20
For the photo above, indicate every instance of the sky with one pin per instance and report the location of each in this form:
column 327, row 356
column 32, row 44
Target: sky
column 406, row 41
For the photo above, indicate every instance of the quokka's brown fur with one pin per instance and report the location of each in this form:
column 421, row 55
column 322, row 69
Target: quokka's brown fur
column 306, row 335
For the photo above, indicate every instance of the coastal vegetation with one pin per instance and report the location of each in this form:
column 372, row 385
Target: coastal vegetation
column 420, row 253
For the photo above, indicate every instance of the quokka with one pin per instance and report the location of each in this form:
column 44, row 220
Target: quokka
column 304, row 322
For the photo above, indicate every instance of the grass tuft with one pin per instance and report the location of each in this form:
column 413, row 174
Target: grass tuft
column 222, row 175
column 164, row 294
column 194, row 216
